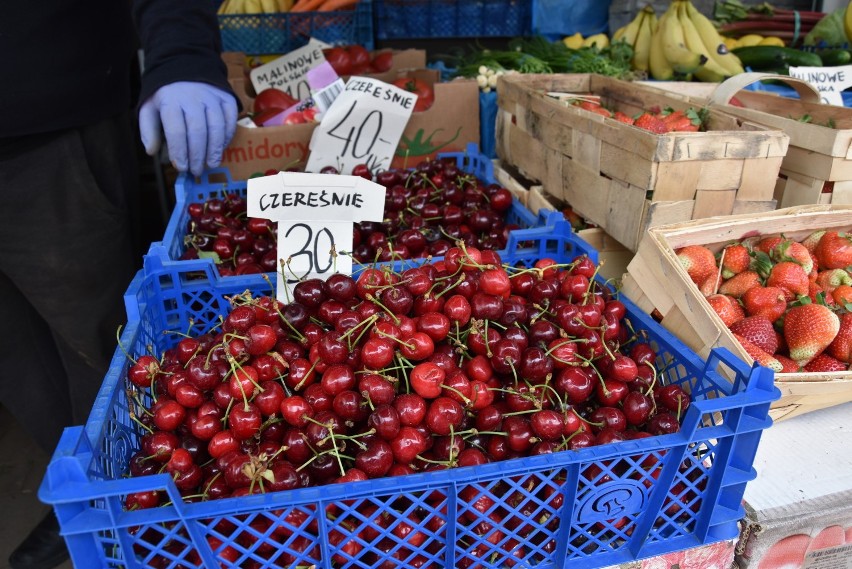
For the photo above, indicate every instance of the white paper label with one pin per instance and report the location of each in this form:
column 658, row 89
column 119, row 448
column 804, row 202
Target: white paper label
column 315, row 215
column 829, row 81
column 287, row 73
column 362, row 126
column 312, row 250
column 246, row 122
column 839, row 557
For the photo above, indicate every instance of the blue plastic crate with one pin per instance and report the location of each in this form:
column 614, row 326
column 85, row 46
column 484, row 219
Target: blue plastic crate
column 188, row 190
column 408, row 19
column 594, row 507
column 258, row 34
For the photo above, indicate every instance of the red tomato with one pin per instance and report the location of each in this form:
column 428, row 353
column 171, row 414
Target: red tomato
column 359, row 57
column 383, row 61
column 296, row 117
column 339, row 59
column 273, row 99
column 425, row 93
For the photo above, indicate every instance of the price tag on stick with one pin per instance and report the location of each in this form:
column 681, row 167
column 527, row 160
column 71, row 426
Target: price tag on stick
column 362, row 126
column 315, row 215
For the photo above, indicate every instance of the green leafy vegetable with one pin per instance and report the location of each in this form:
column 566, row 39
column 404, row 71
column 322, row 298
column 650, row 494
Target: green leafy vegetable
column 828, row 31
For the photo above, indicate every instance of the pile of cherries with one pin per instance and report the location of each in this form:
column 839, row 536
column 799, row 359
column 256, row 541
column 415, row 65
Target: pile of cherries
column 455, row 363
column 427, row 210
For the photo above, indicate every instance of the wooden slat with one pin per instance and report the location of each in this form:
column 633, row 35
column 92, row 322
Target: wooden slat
column 586, row 150
column 751, row 207
column 720, row 175
column 623, row 218
column 665, row 213
column 758, row 179
column 800, row 189
column 842, row 193
column 676, row 181
column 710, row 203
column 587, row 191
column 628, row 167
column 810, row 163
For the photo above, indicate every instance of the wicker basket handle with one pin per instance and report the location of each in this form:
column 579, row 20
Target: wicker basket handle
column 726, row 90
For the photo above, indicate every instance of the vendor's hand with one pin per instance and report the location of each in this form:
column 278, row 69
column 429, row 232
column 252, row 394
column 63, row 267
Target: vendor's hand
column 199, row 121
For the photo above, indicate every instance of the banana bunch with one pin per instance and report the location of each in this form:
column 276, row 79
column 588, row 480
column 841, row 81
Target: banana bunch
column 638, row 34
column 687, row 43
column 233, row 7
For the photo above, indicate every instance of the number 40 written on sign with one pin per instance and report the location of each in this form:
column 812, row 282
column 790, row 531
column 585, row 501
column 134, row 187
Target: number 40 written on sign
column 361, row 138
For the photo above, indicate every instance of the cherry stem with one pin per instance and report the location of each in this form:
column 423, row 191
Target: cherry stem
column 654, row 380
column 140, row 423
column 395, row 339
column 376, row 301
column 120, row 346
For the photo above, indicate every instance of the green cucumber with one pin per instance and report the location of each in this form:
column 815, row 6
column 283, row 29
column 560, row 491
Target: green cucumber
column 832, row 57
column 761, row 57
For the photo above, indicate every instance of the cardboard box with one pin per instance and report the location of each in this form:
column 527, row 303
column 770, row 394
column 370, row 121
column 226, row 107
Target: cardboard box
column 451, row 123
column 799, row 509
column 448, row 126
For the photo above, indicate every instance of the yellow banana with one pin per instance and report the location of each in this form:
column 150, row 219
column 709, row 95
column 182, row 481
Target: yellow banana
column 659, row 66
column 642, row 47
column 619, row 33
column 847, row 23
column 714, row 42
column 269, row 6
column 252, row 7
column 681, row 58
column 285, row 5
column 711, row 71
column 632, row 29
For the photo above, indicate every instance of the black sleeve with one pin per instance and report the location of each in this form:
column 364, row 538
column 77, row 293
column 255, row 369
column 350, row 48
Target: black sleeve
column 180, row 40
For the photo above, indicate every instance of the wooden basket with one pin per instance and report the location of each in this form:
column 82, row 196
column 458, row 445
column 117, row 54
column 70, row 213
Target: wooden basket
column 613, row 256
column 818, row 166
column 657, row 281
column 625, row 179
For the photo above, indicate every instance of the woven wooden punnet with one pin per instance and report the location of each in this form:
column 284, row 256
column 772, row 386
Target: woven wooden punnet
column 657, row 281
column 625, row 179
column 818, row 164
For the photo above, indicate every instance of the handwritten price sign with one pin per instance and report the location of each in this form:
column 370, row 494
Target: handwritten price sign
column 288, row 72
column 362, row 126
column 315, row 215
column 829, row 81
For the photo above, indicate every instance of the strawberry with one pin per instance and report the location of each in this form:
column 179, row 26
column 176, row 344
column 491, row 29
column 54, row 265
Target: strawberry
column 736, row 260
column 709, row 285
column 814, row 292
column 621, row 117
column 759, row 331
column 761, row 357
column 727, row 308
column 787, row 365
column 843, row 295
column 834, row 250
column 766, row 301
column 789, row 250
column 811, row 241
column 809, row 329
column 740, row 284
column 766, row 244
column 594, row 108
column 824, row 363
column 698, row 261
column 833, row 278
column 650, row 123
column 789, row 277
column 841, row 347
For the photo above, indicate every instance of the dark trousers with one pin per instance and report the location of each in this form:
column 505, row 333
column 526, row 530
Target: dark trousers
column 65, row 261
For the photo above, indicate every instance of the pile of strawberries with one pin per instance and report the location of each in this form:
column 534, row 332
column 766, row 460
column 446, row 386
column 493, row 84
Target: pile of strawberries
column 788, row 303
column 654, row 120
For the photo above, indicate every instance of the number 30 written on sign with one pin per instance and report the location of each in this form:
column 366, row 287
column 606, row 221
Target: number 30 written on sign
column 319, row 259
